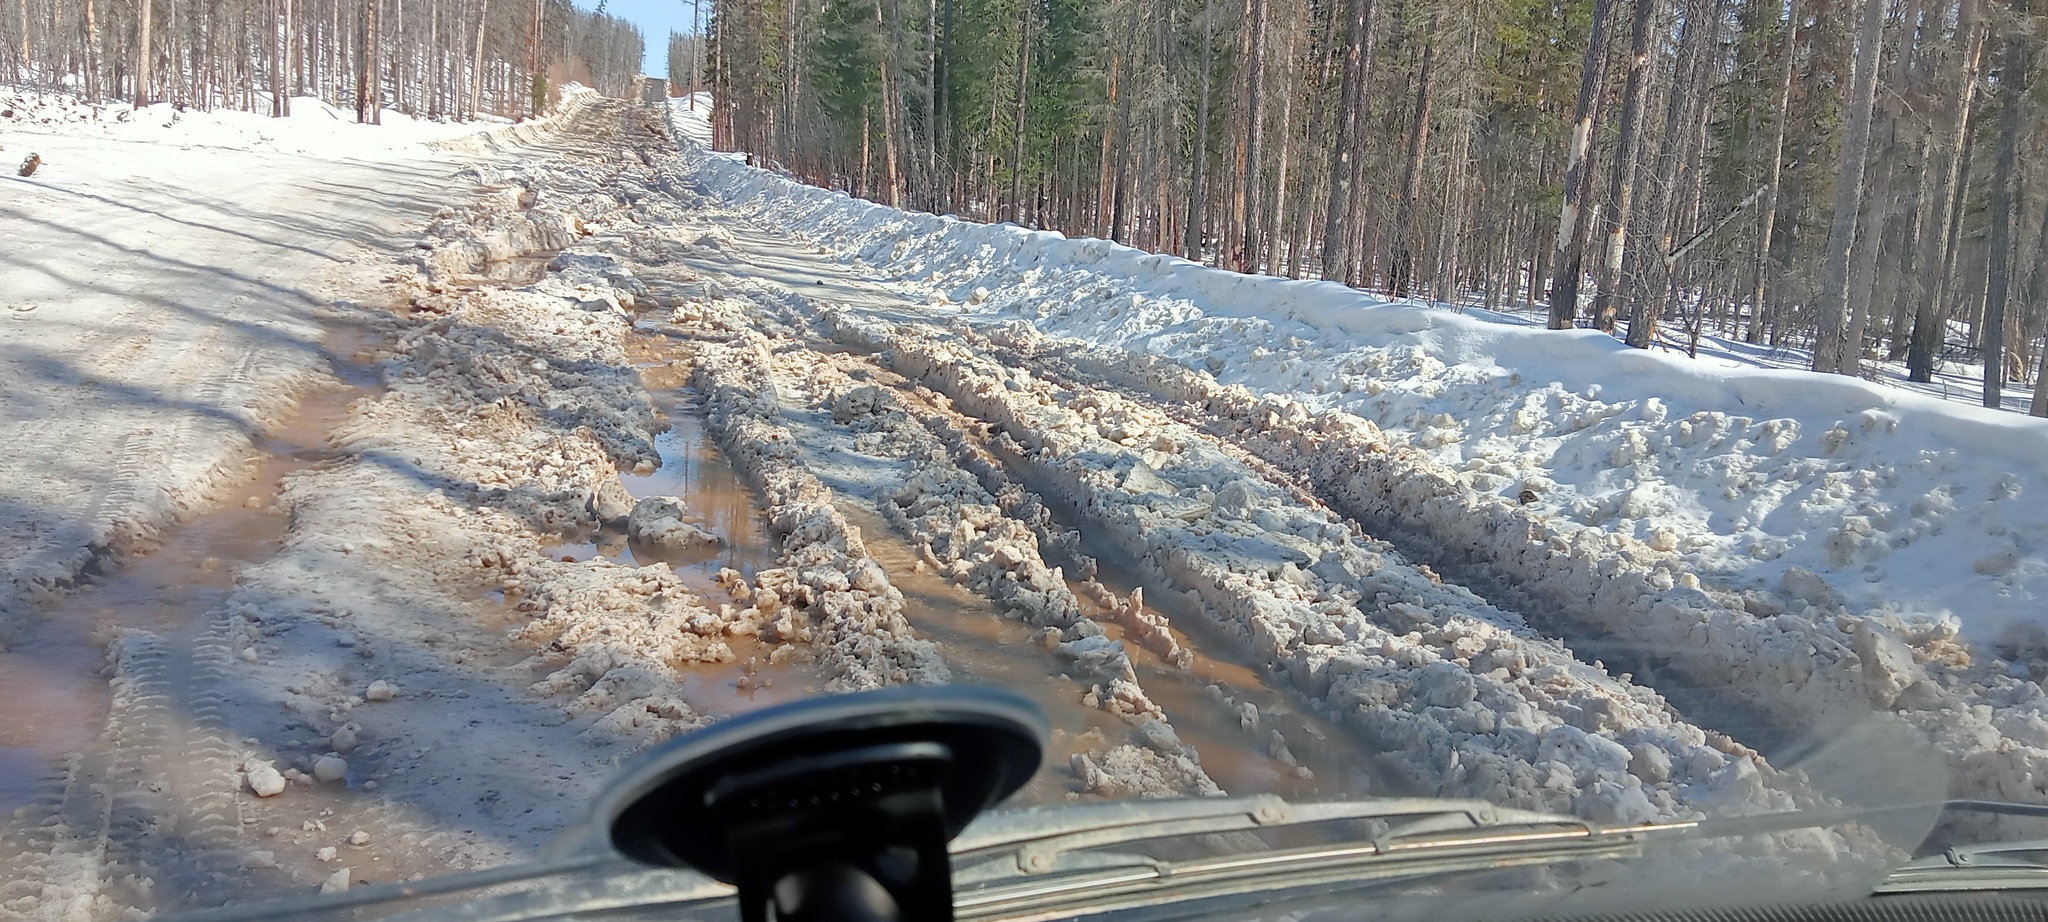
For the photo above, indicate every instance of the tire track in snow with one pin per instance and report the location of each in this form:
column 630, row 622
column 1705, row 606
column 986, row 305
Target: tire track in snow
column 1766, row 678
column 135, row 823
column 1475, row 704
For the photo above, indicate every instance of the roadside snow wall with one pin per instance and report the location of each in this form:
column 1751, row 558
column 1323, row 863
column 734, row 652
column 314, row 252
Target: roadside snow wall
column 1903, row 504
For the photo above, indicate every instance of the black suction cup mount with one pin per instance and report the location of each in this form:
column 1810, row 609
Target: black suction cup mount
column 836, row 809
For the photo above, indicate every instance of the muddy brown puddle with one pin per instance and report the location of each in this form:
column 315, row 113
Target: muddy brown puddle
column 975, row 639
column 52, row 683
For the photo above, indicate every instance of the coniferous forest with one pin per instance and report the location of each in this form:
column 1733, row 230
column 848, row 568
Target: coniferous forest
column 1847, row 176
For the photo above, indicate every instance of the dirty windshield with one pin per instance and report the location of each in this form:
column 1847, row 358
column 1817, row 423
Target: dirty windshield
column 413, row 411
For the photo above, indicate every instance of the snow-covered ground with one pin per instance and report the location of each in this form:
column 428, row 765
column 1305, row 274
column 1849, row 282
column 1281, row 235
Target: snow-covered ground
column 691, row 116
column 1779, row 551
column 1902, row 503
column 1954, row 380
column 314, row 128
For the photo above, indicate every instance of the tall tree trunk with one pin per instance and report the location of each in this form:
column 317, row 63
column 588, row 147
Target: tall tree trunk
column 1403, row 269
column 1937, row 254
column 476, row 71
column 275, row 37
column 934, row 194
column 2012, row 92
column 1654, row 271
column 1278, row 207
column 1863, row 265
column 891, row 118
column 1023, row 89
column 2035, row 297
column 1832, row 352
column 143, row 55
column 1340, row 222
column 1255, row 132
column 284, row 84
column 1567, row 260
column 1198, row 201
column 1621, row 188
column 365, row 64
column 92, row 54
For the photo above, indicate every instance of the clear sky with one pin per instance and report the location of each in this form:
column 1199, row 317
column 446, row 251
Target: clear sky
column 656, row 19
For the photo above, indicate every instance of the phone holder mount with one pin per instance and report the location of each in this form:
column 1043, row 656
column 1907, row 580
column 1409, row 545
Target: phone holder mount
column 834, row 809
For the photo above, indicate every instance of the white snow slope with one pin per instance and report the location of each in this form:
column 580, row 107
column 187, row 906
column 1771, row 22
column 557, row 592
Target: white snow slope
column 161, row 277
column 1908, row 506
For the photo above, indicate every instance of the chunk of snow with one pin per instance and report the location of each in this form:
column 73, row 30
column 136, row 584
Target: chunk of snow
column 330, row 768
column 264, row 779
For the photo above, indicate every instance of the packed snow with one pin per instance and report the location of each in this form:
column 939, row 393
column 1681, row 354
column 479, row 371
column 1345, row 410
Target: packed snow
column 1789, row 550
column 1902, row 503
column 314, row 127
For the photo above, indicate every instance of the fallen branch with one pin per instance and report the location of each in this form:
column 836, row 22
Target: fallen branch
column 1684, row 249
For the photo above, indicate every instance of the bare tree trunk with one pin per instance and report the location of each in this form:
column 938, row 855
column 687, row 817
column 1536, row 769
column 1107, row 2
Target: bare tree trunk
column 1567, row 261
column 284, row 87
column 365, row 72
column 1621, row 189
column 1832, row 352
column 476, row 71
column 1863, row 264
column 1403, row 270
column 1938, row 254
column 1023, row 88
column 1198, row 202
column 890, row 117
column 1340, row 223
column 1255, row 134
column 2035, row 298
column 1654, row 271
column 2012, row 89
column 92, row 54
column 1278, row 207
column 143, row 57
column 275, row 36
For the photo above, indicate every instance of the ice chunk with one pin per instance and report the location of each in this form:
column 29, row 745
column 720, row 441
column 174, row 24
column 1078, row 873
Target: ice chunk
column 264, row 779
column 1888, row 666
column 658, row 521
column 330, row 768
column 1806, row 586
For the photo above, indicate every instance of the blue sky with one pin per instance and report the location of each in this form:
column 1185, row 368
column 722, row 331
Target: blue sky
column 656, row 19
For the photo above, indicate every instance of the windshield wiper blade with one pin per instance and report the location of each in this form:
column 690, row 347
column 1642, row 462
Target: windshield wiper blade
column 1455, row 836
column 1982, row 866
column 1042, row 835
column 1049, row 862
column 1054, row 877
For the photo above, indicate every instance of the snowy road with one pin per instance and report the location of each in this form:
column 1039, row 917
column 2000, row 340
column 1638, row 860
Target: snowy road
column 610, row 452
column 160, row 311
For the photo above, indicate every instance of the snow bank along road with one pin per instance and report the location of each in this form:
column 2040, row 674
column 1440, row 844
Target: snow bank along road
column 609, row 454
